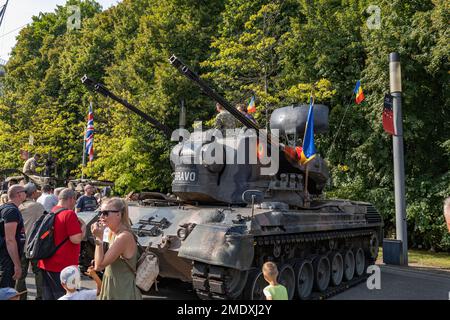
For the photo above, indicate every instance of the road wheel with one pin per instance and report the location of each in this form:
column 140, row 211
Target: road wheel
column 286, row 277
column 235, row 282
column 304, row 273
column 374, row 246
column 337, row 268
column 349, row 265
column 360, row 261
column 255, row 285
column 322, row 272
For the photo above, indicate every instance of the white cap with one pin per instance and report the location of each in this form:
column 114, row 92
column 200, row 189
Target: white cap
column 70, row 276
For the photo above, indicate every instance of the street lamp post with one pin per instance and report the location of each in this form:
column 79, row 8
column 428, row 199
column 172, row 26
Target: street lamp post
column 399, row 165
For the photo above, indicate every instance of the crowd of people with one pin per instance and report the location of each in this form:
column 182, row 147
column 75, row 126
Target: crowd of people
column 58, row 276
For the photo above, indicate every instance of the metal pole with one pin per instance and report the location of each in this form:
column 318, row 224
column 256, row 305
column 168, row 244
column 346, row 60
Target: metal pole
column 84, row 153
column 306, row 193
column 265, row 78
column 84, row 156
column 253, row 204
column 182, row 120
column 2, row 12
column 399, row 166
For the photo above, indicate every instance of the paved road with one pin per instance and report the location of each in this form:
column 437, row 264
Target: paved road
column 403, row 283
column 166, row 289
column 397, row 283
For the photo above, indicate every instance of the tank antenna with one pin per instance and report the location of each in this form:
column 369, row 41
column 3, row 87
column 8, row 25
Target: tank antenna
column 182, row 121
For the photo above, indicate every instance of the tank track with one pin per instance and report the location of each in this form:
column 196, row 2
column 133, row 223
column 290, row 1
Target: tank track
column 209, row 281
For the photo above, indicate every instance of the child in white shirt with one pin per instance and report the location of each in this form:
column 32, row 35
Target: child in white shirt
column 71, row 281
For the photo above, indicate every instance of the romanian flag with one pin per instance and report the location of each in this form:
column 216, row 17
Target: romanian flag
column 359, row 93
column 251, row 106
column 308, row 149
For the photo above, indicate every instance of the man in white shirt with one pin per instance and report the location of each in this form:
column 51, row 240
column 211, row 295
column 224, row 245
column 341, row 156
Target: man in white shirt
column 47, row 199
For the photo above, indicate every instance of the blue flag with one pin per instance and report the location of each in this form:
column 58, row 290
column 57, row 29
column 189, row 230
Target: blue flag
column 309, row 149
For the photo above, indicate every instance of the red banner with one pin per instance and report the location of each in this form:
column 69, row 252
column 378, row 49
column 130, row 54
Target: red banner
column 388, row 115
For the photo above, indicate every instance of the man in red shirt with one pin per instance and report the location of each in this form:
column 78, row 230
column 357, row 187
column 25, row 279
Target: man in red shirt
column 67, row 226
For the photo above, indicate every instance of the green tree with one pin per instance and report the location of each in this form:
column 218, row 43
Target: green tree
column 141, row 73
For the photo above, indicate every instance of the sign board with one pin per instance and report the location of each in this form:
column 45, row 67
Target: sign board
column 388, row 114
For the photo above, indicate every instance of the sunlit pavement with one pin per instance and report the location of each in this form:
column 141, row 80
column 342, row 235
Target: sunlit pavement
column 168, row 289
column 403, row 283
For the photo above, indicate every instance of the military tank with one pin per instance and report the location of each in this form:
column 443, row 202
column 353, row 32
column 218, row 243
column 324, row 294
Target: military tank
column 227, row 218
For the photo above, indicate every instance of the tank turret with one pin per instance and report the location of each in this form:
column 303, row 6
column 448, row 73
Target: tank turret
column 226, row 181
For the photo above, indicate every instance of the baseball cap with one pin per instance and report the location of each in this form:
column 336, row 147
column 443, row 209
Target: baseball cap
column 9, row 293
column 70, row 276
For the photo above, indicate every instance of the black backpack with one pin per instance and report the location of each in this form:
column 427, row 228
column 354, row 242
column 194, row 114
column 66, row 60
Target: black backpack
column 41, row 243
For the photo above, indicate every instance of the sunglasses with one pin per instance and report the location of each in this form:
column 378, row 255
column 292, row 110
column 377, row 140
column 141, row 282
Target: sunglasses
column 106, row 212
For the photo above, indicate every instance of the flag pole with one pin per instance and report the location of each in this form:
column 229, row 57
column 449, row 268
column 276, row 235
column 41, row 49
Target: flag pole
column 84, row 155
column 306, row 195
column 339, row 127
column 84, row 150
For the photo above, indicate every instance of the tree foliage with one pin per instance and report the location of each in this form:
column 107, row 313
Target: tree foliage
column 279, row 51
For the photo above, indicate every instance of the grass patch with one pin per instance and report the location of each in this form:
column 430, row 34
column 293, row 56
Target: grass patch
column 433, row 259
column 425, row 258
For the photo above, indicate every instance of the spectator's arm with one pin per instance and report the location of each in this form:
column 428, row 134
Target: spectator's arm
column 91, row 273
column 76, row 238
column 73, row 228
column 114, row 252
column 98, row 256
column 13, row 250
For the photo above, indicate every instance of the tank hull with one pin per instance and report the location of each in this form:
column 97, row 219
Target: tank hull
column 219, row 248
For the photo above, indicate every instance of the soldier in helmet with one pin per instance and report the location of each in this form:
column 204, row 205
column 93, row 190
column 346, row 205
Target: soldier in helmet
column 224, row 119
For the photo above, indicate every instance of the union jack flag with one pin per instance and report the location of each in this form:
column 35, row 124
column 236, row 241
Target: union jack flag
column 89, row 138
